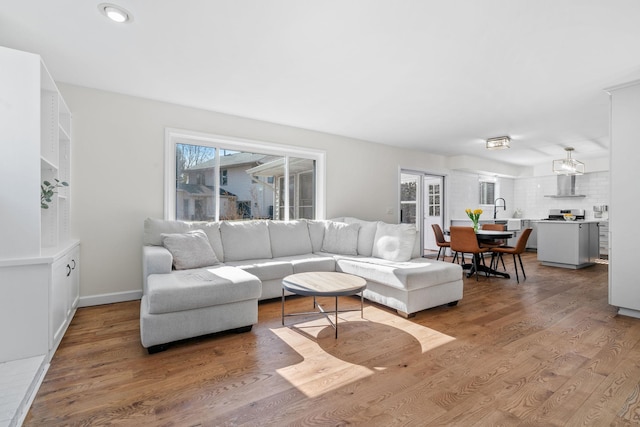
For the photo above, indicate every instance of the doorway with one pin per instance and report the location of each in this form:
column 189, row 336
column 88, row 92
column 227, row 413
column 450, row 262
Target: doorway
column 422, row 203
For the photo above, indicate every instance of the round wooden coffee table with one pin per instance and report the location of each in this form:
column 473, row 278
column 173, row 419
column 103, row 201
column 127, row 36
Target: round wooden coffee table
column 324, row 284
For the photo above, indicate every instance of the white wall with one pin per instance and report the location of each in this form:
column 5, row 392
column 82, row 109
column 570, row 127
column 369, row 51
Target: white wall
column 117, row 175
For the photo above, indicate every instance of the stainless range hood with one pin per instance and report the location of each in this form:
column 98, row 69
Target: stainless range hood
column 566, row 187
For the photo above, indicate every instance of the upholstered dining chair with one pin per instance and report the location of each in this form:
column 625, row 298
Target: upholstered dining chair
column 440, row 241
column 495, row 243
column 493, row 227
column 464, row 240
column 515, row 250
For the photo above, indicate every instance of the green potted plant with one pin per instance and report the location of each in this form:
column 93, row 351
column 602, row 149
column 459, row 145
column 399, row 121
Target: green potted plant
column 47, row 190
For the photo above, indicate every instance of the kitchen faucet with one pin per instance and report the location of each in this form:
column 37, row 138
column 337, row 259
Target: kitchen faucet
column 495, row 206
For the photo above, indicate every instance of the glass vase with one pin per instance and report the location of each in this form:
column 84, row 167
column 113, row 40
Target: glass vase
column 475, row 227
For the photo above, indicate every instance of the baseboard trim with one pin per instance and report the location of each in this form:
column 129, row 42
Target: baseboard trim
column 101, row 299
column 629, row 312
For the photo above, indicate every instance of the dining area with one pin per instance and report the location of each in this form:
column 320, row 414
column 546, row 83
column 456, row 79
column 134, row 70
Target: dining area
column 479, row 242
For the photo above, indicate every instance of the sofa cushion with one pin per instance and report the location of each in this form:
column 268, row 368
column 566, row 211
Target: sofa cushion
column 340, row 238
column 394, row 242
column 316, row 233
column 154, row 228
column 245, row 240
column 212, row 229
column 189, row 250
column 366, row 234
column 414, row 274
column 190, row 289
column 417, row 247
column 265, row 269
column 289, row 238
column 311, row 262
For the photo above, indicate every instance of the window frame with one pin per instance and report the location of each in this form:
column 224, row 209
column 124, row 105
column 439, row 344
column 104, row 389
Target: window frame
column 175, row 136
column 487, row 188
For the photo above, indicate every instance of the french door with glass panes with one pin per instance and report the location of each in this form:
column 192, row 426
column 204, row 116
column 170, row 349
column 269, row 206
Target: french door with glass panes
column 422, row 204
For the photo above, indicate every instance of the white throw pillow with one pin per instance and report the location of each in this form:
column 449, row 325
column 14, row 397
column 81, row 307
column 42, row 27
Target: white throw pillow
column 289, row 238
column 366, row 234
column 394, row 242
column 417, row 250
column 212, row 230
column 340, row 238
column 189, row 250
column 245, row 240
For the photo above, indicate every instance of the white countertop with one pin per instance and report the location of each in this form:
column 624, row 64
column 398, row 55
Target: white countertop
column 577, row 221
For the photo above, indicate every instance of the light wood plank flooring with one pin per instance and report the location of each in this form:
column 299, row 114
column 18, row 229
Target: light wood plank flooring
column 547, row 352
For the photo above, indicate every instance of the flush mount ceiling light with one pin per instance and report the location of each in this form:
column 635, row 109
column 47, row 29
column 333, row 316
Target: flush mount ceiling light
column 568, row 166
column 498, row 143
column 115, row 13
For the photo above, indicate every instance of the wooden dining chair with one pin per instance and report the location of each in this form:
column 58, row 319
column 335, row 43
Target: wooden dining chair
column 517, row 250
column 464, row 240
column 440, row 241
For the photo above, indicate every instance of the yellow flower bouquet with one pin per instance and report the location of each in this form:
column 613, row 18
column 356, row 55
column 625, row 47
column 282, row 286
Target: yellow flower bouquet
column 474, row 215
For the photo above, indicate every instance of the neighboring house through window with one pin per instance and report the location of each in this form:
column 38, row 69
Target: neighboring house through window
column 210, row 177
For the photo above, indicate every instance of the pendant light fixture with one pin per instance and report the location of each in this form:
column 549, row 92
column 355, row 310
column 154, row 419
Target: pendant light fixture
column 568, row 166
column 498, row 143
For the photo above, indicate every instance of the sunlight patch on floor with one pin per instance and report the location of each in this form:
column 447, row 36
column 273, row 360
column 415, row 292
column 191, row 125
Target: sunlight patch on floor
column 363, row 348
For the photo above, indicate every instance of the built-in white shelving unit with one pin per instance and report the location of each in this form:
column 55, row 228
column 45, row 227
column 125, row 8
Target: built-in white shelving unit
column 39, row 261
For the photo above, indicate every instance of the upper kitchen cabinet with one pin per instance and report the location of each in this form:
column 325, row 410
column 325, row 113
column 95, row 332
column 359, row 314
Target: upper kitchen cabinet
column 624, row 233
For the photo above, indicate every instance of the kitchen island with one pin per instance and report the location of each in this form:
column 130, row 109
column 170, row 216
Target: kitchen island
column 568, row 244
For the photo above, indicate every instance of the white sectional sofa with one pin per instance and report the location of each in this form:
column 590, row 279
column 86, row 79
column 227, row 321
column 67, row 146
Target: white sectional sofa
column 201, row 278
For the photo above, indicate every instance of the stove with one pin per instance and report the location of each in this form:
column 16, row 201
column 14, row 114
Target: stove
column 558, row 214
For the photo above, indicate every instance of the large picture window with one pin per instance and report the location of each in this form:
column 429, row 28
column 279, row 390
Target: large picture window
column 211, row 178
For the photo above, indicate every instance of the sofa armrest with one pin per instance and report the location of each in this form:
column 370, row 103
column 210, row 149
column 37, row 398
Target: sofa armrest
column 155, row 260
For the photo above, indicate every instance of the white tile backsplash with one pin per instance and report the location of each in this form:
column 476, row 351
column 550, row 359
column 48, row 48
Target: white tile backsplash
column 527, row 194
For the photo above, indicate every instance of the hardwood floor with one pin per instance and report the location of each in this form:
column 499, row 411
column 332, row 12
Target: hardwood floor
column 548, row 352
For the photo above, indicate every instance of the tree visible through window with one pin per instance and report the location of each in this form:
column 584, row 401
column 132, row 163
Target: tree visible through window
column 408, row 198
column 222, row 183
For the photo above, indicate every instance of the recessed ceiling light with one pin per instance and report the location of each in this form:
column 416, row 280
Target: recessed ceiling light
column 115, row 13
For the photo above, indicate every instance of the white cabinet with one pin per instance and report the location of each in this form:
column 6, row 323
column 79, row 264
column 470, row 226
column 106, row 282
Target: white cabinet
column 568, row 244
column 38, row 292
column 64, row 294
column 624, row 233
column 532, row 242
column 35, row 131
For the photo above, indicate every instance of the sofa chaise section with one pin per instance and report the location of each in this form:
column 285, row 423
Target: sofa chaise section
column 197, row 302
column 407, row 287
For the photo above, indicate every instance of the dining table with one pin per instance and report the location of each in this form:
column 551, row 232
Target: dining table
column 486, row 236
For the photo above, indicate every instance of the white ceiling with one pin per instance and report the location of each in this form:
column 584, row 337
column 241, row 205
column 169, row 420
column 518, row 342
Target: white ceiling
column 440, row 76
